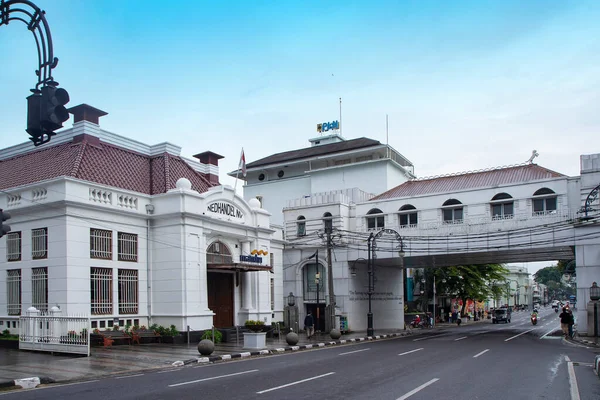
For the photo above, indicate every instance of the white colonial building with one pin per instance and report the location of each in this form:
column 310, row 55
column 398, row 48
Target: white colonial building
column 131, row 233
column 518, row 213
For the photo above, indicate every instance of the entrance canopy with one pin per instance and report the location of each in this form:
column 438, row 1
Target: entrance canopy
column 239, row 267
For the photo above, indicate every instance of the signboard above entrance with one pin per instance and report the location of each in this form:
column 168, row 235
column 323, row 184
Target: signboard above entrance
column 222, row 208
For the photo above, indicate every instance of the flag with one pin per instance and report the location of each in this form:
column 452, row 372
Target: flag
column 242, row 165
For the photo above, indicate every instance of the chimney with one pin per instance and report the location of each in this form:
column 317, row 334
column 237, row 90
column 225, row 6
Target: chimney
column 84, row 112
column 210, row 158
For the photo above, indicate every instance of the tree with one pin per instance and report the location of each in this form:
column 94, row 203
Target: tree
column 465, row 281
column 547, row 274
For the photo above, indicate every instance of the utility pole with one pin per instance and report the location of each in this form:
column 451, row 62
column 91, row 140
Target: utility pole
column 330, row 308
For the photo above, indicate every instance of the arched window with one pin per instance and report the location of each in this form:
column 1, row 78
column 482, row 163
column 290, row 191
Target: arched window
column 408, row 216
column 544, row 201
column 218, row 253
column 301, row 226
column 328, row 222
column 502, row 206
column 452, row 211
column 375, row 219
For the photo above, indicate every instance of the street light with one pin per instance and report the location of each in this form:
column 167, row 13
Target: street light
column 371, row 247
column 317, row 281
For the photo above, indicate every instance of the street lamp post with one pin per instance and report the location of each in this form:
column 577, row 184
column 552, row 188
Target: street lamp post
column 317, row 278
column 370, row 289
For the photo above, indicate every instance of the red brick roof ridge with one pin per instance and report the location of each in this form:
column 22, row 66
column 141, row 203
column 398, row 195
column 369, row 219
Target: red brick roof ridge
column 82, row 147
column 476, row 171
column 468, row 180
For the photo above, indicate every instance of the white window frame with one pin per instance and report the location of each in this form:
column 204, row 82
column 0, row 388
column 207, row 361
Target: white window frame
column 128, row 291
column 454, row 220
column 39, row 243
column 409, row 214
column 503, row 214
column 375, row 218
column 544, row 199
column 13, row 246
column 301, row 226
column 101, row 292
column 39, row 288
column 13, row 292
column 100, row 244
column 127, row 246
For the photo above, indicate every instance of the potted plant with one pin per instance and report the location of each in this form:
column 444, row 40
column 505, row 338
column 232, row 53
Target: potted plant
column 257, row 338
column 254, row 326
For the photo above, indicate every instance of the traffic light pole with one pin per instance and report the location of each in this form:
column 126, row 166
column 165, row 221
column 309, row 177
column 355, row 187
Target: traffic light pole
column 45, row 110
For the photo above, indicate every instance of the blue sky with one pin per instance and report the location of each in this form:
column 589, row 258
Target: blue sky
column 467, row 85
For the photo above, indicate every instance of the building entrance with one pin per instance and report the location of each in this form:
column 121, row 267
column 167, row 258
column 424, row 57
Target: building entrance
column 220, row 298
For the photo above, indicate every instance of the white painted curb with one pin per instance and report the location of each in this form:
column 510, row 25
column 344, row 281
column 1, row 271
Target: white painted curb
column 28, row 383
column 177, row 364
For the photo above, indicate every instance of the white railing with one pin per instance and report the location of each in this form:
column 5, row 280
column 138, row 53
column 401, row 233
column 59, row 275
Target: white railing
column 54, row 333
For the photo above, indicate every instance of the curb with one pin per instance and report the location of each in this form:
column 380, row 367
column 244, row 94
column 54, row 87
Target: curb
column 289, row 349
column 26, row 383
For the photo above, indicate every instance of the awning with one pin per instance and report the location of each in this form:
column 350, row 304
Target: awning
column 239, row 267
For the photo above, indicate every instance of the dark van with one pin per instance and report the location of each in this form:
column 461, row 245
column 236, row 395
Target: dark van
column 501, row 315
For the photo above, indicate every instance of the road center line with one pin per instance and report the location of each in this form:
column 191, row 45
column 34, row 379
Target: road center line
column 423, row 386
column 128, row 376
column 295, row 383
column 460, row 338
column 516, row 336
column 478, row 354
column 408, row 352
column 350, row 352
column 546, row 334
column 214, row 377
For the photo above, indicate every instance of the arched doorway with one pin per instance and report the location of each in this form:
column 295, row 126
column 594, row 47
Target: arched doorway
column 220, row 284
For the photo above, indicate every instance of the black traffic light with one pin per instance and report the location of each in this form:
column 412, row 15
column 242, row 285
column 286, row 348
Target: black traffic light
column 53, row 110
column 46, row 112
column 4, row 229
column 34, row 112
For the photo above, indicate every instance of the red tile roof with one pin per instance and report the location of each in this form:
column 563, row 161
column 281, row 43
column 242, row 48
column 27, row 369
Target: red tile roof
column 470, row 180
column 91, row 160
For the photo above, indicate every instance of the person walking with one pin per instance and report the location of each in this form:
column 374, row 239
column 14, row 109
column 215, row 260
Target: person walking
column 565, row 318
column 309, row 325
column 571, row 323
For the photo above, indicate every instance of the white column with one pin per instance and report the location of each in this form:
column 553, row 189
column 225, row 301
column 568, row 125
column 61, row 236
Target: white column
column 588, row 271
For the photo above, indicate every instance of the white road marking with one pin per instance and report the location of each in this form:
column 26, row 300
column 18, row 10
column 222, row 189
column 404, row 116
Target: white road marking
column 423, row 386
column 546, row 334
column 408, row 352
column 572, row 380
column 516, row 336
column 128, row 376
column 350, row 352
column 214, row 377
column 170, row 370
column 295, row 383
column 460, row 338
column 478, row 354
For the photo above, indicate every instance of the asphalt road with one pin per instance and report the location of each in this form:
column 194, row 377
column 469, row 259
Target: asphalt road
column 480, row 361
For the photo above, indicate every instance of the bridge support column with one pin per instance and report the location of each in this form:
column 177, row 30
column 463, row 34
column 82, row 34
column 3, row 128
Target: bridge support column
column 587, row 259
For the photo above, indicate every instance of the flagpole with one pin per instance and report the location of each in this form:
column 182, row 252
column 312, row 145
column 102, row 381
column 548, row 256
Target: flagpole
column 241, row 166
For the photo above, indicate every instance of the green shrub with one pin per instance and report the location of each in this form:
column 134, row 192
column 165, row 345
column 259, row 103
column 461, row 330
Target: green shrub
column 6, row 332
column 208, row 335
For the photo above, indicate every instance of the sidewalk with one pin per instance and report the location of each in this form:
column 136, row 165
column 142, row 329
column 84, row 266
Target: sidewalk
column 130, row 359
